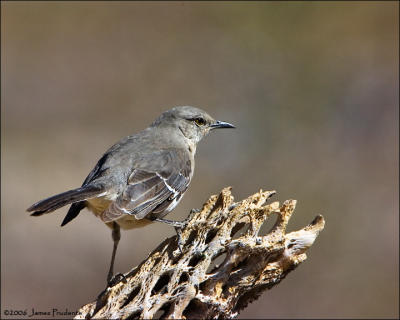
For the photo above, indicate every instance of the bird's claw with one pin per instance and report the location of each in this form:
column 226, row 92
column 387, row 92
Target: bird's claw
column 179, row 238
column 116, row 278
column 178, row 229
column 181, row 224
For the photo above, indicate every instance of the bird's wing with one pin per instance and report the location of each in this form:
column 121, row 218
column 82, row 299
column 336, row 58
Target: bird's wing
column 158, row 179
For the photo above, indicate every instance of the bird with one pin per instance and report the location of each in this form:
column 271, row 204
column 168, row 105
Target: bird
column 141, row 178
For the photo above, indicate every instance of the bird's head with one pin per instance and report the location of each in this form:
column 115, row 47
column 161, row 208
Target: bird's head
column 194, row 123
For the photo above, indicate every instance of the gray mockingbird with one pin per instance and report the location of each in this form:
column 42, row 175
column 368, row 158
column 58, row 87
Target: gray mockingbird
column 142, row 177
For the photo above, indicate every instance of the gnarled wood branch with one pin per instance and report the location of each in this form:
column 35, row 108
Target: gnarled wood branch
column 190, row 284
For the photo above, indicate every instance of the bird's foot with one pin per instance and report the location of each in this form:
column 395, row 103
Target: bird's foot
column 178, row 229
column 195, row 211
column 179, row 226
column 176, row 224
column 115, row 279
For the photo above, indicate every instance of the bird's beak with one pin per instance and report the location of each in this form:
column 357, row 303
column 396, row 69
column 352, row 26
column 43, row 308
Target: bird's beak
column 221, row 124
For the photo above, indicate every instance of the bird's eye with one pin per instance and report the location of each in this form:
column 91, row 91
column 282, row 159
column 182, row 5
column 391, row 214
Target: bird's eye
column 199, row 121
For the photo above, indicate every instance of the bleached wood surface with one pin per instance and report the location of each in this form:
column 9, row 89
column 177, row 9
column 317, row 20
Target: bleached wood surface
column 224, row 264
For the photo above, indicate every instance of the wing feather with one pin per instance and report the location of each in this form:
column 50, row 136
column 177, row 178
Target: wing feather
column 158, row 180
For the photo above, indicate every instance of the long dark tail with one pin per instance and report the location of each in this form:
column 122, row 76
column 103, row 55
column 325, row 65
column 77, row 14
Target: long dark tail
column 59, row 200
column 73, row 212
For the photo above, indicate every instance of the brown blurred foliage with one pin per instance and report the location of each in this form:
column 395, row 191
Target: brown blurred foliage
column 311, row 86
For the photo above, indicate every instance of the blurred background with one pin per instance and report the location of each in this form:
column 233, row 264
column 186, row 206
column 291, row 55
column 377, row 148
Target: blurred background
column 313, row 88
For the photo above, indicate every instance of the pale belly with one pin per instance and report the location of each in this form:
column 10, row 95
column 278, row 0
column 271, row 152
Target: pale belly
column 126, row 222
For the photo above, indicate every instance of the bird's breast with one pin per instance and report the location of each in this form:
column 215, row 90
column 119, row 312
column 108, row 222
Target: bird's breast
column 130, row 222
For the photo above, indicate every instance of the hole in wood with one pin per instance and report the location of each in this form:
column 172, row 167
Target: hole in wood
column 220, row 221
column 202, row 286
column 162, row 311
column 176, row 259
column 131, row 296
column 159, row 314
column 239, row 230
column 225, row 290
column 211, row 235
column 195, row 260
column 192, row 236
column 195, row 310
column 135, row 315
column 183, row 278
column 242, row 264
column 268, row 224
column 216, row 263
column 161, row 285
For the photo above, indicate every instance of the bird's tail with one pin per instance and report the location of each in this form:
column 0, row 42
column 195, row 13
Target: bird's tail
column 59, row 200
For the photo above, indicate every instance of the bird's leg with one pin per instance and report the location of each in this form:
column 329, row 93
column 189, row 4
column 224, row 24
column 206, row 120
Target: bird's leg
column 179, row 225
column 116, row 236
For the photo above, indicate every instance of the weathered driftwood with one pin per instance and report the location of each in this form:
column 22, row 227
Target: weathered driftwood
column 191, row 284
